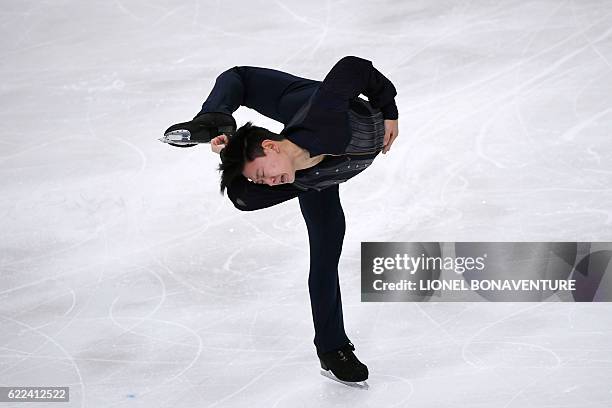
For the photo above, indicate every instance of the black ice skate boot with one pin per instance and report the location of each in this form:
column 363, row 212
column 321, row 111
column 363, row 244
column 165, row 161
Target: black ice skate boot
column 201, row 129
column 344, row 366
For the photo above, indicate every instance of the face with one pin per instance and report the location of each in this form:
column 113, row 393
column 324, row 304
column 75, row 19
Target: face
column 273, row 169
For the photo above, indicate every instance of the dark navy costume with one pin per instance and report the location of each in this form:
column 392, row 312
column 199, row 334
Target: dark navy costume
column 325, row 117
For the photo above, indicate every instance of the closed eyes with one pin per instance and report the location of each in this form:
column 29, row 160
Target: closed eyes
column 259, row 179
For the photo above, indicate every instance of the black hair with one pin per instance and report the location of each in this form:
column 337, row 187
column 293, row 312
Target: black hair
column 243, row 146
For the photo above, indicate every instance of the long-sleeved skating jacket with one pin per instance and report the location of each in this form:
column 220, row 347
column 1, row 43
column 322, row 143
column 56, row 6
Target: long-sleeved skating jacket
column 332, row 121
column 322, row 125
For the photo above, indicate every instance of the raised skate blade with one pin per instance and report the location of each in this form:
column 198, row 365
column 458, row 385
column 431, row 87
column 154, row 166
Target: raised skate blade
column 182, row 137
column 362, row 385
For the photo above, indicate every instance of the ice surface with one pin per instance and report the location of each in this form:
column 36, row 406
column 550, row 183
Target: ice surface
column 125, row 275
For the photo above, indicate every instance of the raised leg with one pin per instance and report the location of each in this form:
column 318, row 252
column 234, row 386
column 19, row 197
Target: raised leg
column 275, row 94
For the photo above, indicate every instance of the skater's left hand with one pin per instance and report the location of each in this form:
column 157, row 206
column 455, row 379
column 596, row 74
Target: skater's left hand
column 391, row 132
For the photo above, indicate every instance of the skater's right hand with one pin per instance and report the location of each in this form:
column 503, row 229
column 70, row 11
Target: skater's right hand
column 218, row 143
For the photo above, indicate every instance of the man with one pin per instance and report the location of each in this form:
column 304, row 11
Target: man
column 330, row 135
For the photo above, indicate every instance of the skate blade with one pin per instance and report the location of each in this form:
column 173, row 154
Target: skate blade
column 363, row 385
column 180, row 144
column 181, row 136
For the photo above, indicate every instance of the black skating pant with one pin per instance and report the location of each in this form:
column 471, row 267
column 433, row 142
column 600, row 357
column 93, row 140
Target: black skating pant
column 278, row 95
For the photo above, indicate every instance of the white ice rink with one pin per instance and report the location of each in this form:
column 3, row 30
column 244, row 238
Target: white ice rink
column 125, row 275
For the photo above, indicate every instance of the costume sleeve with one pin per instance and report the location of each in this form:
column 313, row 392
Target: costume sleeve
column 249, row 196
column 352, row 76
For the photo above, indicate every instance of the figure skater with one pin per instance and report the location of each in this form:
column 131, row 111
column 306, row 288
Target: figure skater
column 330, row 135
